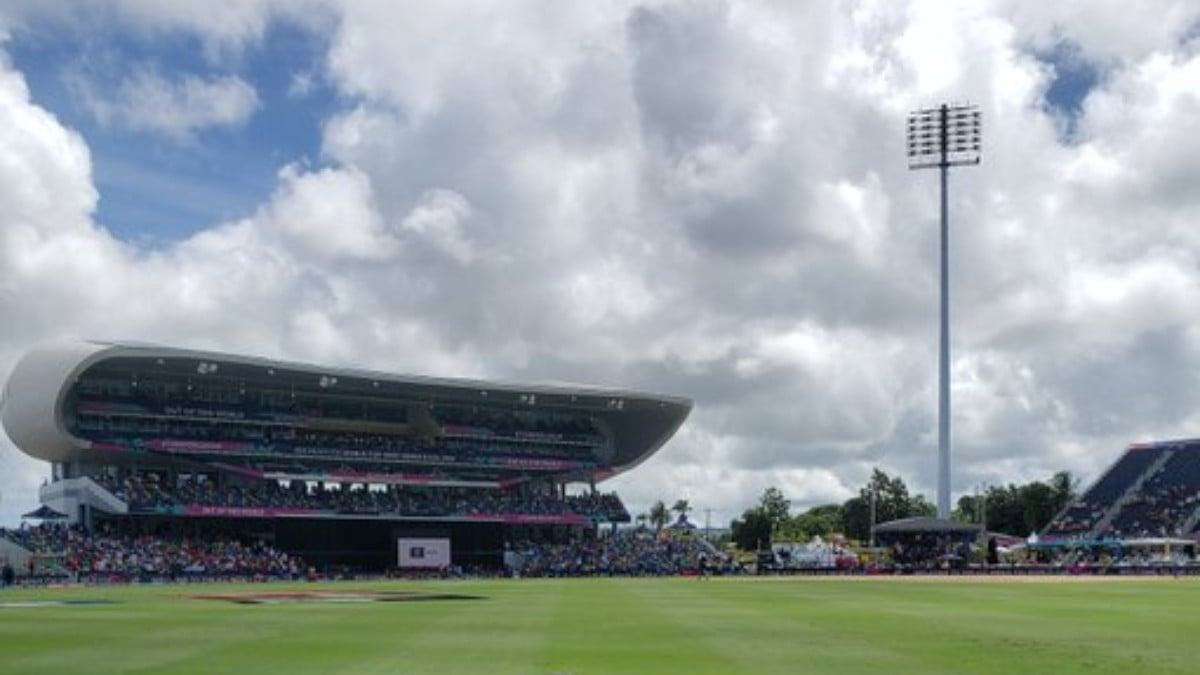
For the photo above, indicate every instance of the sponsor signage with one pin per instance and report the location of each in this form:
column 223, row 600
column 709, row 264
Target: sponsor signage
column 182, row 445
column 423, row 553
column 532, row 518
column 243, row 511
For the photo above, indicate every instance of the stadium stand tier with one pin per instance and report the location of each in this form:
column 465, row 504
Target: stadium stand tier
column 630, row 552
column 105, row 555
column 1151, row 491
column 329, row 464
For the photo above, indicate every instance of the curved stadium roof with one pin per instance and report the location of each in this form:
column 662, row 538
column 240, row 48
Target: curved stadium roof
column 31, row 408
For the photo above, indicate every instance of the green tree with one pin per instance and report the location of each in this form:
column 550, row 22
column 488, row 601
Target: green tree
column 892, row 502
column 775, row 507
column 969, row 509
column 819, row 521
column 1063, row 484
column 1019, row 509
column 1037, row 505
column 659, row 516
column 918, row 505
column 681, row 507
column 752, row 532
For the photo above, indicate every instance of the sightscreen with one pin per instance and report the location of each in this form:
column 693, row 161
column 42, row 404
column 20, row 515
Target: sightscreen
column 423, row 553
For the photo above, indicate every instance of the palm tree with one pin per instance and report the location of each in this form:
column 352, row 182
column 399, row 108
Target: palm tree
column 659, row 515
column 641, row 519
column 682, row 507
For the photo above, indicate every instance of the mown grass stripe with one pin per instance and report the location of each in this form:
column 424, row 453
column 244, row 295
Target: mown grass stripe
column 624, row 626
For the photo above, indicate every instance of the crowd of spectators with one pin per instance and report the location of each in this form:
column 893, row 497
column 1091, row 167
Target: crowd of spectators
column 513, row 424
column 928, row 550
column 148, row 491
column 601, row 506
column 1164, row 502
column 268, row 440
column 130, row 410
column 1083, row 515
column 215, row 402
column 1079, row 518
column 632, row 552
column 1148, row 500
column 110, row 556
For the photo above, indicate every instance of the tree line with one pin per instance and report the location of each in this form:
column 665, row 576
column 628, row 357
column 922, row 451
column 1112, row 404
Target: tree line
column 1010, row 509
column 659, row 515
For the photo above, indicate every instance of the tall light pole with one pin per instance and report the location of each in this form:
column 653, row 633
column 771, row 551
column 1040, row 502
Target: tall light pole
column 873, row 517
column 942, row 137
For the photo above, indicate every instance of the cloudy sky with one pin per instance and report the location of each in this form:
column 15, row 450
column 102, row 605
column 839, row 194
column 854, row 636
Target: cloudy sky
column 704, row 198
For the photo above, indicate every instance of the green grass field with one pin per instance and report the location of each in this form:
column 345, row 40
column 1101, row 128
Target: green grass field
column 620, row 626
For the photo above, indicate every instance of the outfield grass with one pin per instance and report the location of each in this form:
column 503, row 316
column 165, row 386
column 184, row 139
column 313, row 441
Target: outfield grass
column 891, row 627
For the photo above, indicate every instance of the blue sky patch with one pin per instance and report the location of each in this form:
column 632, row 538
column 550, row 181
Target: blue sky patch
column 156, row 189
column 1074, row 78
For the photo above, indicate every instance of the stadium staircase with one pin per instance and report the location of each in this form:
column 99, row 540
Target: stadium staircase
column 68, row 494
column 1191, row 522
column 18, row 556
column 1132, row 491
column 710, row 549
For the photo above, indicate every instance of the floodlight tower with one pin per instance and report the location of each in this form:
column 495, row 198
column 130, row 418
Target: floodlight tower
column 942, row 137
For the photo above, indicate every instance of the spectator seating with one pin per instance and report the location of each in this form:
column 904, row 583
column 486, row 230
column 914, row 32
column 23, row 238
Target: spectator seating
column 633, row 552
column 146, row 492
column 109, row 556
column 1164, row 502
column 1080, row 518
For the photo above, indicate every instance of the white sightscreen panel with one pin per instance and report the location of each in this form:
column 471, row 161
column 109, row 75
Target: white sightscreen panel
column 417, row 553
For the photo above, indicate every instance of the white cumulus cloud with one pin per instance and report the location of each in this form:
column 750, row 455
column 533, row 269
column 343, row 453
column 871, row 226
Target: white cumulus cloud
column 176, row 108
column 707, row 199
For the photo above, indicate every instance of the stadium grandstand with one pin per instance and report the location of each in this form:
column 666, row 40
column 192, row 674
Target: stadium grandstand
column 255, row 463
column 1151, row 492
